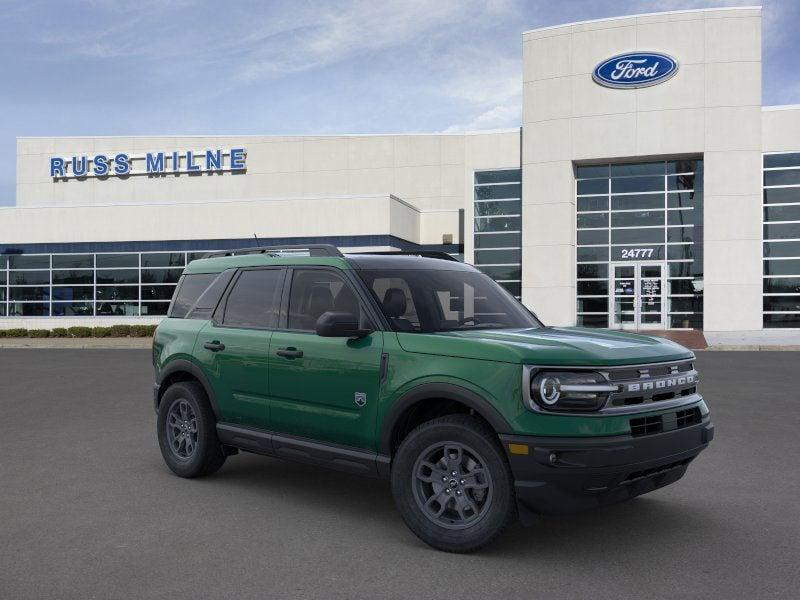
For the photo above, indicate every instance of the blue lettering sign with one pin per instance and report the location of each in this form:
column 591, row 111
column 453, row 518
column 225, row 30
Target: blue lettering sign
column 190, row 166
column 176, row 162
column 213, row 160
column 79, row 167
column 100, row 165
column 635, row 70
column 56, row 167
column 237, row 159
column 121, row 164
column 155, row 163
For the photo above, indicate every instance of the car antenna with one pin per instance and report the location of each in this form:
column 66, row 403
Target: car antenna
column 255, row 237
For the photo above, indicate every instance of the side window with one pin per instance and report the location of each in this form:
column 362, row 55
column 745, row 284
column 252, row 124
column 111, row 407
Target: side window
column 189, row 290
column 317, row 291
column 254, row 300
column 398, row 304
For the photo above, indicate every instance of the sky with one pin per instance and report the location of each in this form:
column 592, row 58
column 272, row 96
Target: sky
column 161, row 67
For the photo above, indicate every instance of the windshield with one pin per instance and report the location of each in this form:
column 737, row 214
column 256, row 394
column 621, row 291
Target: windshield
column 429, row 301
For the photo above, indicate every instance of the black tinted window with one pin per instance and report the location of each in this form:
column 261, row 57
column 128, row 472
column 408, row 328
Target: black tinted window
column 189, row 290
column 314, row 292
column 255, row 299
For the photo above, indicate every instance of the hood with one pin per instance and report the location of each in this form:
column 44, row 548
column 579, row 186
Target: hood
column 577, row 346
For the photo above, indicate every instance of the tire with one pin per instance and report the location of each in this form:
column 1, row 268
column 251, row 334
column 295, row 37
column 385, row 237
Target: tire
column 190, row 446
column 480, row 503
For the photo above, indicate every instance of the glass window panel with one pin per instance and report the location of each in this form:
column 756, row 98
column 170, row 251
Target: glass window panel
column 2, row 310
column 117, row 309
column 497, row 257
column 592, row 186
column 686, row 321
column 84, row 292
column 497, row 208
column 195, row 255
column 515, row 289
column 685, row 199
column 782, row 195
column 782, row 303
column 591, row 171
column 787, row 320
column 28, row 309
column 73, row 309
column 28, row 261
column 254, row 300
column 118, row 276
column 3, row 261
column 498, row 240
column 684, row 166
column 637, row 184
column 73, row 277
column 592, row 236
column 684, row 182
column 495, row 192
column 163, row 259
column 501, row 272
column 118, row 260
column 29, row 277
column 195, row 286
column 782, row 267
column 73, row 261
column 782, row 213
column 782, row 285
column 596, row 203
column 682, row 269
column 685, row 286
column 593, row 288
column 639, row 252
column 592, row 254
column 782, row 160
column 161, row 275
column 788, row 177
column 592, row 320
column 2, row 277
column 637, row 202
column 637, row 236
column 782, row 231
column 154, row 308
column 684, row 217
column 592, row 271
column 500, row 176
column 593, row 305
column 651, row 168
column 498, row 224
column 694, row 304
column 639, row 218
column 680, row 234
column 125, row 292
column 2, row 294
column 157, row 292
column 680, row 252
column 593, row 220
column 29, row 293
column 782, row 249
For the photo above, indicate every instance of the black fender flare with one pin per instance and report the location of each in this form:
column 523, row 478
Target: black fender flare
column 446, row 391
column 180, row 365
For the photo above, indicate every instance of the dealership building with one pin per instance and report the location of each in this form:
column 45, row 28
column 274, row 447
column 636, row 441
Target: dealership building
column 646, row 188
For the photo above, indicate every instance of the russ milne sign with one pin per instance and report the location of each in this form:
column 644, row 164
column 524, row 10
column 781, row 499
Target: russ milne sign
column 635, row 70
column 151, row 163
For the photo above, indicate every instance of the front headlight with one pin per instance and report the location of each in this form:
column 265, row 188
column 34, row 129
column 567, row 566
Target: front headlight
column 569, row 391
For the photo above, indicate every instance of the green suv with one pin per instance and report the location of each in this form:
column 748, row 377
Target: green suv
column 422, row 370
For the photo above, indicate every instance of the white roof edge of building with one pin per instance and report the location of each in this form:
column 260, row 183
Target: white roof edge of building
column 216, row 201
column 651, row 14
column 265, row 135
column 782, row 107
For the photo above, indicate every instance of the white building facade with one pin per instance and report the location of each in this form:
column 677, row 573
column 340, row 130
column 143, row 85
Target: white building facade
column 647, row 188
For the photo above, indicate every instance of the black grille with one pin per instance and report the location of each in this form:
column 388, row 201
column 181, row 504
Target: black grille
column 690, row 416
column 637, row 475
column 666, row 422
column 646, row 425
column 645, row 384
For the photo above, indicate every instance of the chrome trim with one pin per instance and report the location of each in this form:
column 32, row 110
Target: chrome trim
column 586, row 387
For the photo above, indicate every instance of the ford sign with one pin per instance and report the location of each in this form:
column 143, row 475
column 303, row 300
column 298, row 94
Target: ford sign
column 635, row 70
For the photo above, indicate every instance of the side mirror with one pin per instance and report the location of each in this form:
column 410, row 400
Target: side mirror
column 340, row 324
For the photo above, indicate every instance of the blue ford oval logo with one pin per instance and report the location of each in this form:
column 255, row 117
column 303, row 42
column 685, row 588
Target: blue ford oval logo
column 635, row 70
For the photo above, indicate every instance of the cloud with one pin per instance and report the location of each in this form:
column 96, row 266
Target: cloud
column 497, row 117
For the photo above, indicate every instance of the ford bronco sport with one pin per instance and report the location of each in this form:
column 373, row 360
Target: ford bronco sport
column 422, row 370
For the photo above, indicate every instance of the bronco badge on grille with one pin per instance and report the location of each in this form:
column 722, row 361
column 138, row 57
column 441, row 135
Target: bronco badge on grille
column 661, row 384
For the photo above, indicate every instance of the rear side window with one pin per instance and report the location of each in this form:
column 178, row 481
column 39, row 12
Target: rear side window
column 254, row 301
column 317, row 291
column 189, row 290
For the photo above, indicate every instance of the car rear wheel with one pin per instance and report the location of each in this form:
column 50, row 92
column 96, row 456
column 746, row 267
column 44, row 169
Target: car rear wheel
column 452, row 484
column 187, row 433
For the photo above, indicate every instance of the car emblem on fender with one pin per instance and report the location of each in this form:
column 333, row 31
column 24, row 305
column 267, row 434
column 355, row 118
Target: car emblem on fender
column 360, row 399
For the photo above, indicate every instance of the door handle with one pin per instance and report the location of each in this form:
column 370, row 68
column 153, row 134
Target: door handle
column 290, row 353
column 214, row 346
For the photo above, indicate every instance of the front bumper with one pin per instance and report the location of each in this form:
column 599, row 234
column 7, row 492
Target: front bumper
column 561, row 475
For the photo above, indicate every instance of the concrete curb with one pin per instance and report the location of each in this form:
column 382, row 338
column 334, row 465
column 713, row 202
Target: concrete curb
column 77, row 343
column 754, row 348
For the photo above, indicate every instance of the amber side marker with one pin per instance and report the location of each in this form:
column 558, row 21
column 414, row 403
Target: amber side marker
column 518, row 448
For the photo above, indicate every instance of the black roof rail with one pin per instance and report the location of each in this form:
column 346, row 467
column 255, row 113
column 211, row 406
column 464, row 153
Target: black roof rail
column 313, row 250
column 422, row 253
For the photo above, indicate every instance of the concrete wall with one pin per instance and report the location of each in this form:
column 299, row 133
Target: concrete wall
column 781, row 128
column 711, row 107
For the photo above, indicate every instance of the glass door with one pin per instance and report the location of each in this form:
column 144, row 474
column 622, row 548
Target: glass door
column 636, row 299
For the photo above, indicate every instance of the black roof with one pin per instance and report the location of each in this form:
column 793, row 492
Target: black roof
column 403, row 261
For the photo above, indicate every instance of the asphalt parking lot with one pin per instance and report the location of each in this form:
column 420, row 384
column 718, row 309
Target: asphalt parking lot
column 88, row 509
